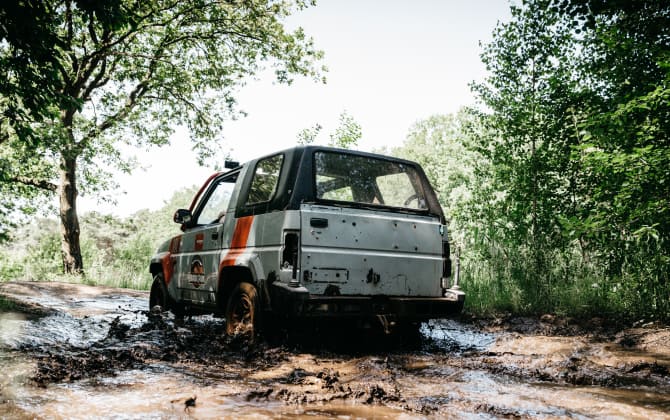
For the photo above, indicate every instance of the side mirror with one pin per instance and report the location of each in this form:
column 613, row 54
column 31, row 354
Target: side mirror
column 183, row 217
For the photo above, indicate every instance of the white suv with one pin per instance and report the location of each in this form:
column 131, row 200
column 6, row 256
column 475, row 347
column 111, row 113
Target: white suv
column 310, row 232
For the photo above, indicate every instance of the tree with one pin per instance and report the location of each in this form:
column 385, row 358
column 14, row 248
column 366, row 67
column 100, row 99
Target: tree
column 346, row 135
column 129, row 72
column 624, row 145
column 577, row 101
column 532, row 100
column 309, row 135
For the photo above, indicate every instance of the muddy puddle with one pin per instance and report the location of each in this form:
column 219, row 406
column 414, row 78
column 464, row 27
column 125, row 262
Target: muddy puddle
column 73, row 351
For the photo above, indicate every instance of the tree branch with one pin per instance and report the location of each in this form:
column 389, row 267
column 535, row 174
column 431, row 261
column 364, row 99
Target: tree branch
column 37, row 183
column 70, row 31
column 99, row 80
column 137, row 28
column 139, row 90
column 91, row 28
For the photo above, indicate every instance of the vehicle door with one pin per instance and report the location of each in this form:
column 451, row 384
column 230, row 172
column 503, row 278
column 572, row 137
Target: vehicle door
column 201, row 244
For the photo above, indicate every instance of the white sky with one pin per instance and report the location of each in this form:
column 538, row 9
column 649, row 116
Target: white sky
column 391, row 63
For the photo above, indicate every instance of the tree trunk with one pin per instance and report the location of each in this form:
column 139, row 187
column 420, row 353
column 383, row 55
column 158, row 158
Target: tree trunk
column 69, row 221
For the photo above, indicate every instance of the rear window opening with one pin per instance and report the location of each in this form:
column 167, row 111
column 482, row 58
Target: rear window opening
column 368, row 181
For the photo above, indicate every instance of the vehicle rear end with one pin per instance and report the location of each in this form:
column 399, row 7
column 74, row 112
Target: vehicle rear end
column 372, row 240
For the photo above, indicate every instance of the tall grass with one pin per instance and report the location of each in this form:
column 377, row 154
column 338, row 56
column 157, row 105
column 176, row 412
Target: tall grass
column 114, row 253
column 523, row 280
column 123, row 264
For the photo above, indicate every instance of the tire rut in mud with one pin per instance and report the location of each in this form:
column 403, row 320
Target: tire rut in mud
column 195, row 343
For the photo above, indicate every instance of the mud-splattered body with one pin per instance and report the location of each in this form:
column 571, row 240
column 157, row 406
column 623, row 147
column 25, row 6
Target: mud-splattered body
column 317, row 232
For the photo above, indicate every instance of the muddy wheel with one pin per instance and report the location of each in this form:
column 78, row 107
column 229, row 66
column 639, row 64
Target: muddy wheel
column 242, row 310
column 159, row 294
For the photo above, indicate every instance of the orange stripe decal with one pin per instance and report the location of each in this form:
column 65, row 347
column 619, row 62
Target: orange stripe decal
column 239, row 241
column 175, row 245
column 167, row 261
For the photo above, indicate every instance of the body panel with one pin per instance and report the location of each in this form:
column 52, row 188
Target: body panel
column 365, row 252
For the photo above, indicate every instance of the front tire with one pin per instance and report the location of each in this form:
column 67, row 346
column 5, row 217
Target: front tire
column 242, row 315
column 159, row 294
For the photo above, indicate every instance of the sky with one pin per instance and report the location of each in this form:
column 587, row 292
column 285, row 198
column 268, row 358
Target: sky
column 390, row 64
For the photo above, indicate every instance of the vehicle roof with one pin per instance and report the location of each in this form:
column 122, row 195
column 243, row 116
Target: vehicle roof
column 311, row 147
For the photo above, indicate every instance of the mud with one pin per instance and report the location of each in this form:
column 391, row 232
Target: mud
column 74, row 351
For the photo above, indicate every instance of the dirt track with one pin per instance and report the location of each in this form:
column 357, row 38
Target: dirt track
column 70, row 351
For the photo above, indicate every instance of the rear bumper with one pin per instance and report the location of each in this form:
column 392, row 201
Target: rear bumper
column 297, row 302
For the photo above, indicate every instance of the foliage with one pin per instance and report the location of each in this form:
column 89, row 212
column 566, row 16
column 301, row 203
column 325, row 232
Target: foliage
column 346, row 135
column 117, row 251
column 309, row 135
column 530, row 95
column 624, row 141
column 120, row 72
column 565, row 187
column 29, row 82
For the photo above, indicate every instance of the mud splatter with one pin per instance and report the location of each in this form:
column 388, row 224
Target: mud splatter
column 105, row 351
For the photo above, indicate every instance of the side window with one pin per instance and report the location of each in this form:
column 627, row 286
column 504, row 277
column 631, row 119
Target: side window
column 264, row 182
column 216, row 203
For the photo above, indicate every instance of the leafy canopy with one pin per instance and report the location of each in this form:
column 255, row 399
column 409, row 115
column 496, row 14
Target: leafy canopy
column 82, row 82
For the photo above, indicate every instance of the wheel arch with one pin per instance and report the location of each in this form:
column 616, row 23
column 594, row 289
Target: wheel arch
column 156, row 267
column 161, row 264
column 228, row 278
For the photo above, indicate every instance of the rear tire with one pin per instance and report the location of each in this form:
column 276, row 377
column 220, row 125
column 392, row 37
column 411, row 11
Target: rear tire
column 242, row 311
column 159, row 294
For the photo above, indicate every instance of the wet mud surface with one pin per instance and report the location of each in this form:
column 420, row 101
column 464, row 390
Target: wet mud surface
column 73, row 351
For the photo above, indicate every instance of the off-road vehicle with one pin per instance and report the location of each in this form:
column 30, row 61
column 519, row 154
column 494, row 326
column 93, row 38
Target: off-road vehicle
column 310, row 233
